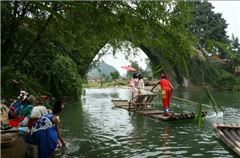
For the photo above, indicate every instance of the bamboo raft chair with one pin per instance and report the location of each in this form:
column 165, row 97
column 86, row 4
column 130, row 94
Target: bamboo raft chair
column 142, row 101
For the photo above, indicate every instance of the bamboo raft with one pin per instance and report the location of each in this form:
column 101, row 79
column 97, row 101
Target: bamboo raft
column 149, row 111
column 9, row 138
column 229, row 135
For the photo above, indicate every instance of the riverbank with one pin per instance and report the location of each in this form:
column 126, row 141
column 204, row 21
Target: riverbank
column 148, row 86
column 124, row 82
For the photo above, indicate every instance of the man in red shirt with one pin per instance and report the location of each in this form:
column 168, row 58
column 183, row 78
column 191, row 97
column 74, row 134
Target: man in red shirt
column 166, row 91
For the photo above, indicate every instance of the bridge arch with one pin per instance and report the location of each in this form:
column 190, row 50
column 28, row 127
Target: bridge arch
column 156, row 58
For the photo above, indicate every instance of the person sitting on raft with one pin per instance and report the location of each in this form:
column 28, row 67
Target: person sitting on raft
column 166, row 92
column 20, row 109
column 16, row 105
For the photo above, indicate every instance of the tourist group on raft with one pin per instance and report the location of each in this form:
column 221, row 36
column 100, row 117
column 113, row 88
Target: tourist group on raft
column 137, row 85
column 40, row 125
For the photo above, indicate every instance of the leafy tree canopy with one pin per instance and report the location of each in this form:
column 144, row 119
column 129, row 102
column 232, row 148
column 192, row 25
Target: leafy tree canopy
column 115, row 75
column 55, row 42
column 206, row 24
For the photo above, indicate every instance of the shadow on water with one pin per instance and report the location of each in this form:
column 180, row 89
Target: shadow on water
column 94, row 128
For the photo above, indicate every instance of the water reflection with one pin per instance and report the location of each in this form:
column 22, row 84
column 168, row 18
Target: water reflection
column 114, row 95
column 165, row 140
column 93, row 128
column 183, row 94
column 96, row 129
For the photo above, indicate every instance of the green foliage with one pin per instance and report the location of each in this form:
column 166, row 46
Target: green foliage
column 53, row 43
column 37, row 34
column 235, row 45
column 227, row 81
column 157, row 70
column 204, row 72
column 212, row 100
column 199, row 116
column 13, row 81
column 65, row 79
column 135, row 65
column 167, row 39
column 206, row 24
column 106, row 78
column 115, row 75
column 237, row 85
column 210, row 30
column 210, row 73
column 213, row 103
column 235, row 49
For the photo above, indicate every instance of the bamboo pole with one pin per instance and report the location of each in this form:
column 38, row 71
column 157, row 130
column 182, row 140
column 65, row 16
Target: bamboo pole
column 192, row 102
column 186, row 100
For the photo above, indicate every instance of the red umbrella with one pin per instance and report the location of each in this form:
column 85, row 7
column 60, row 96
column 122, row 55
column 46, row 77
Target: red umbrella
column 128, row 68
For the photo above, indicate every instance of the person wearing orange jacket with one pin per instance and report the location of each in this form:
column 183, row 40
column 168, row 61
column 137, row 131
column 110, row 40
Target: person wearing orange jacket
column 166, row 92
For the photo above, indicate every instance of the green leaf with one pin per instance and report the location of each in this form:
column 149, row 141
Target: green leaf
column 212, row 100
column 49, row 9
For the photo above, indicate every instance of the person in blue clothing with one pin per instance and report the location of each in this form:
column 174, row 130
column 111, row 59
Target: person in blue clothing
column 46, row 132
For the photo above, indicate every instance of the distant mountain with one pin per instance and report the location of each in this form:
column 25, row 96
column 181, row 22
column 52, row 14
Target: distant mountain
column 104, row 69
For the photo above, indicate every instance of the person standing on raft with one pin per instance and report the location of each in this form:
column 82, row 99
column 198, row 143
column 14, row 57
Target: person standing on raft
column 134, row 87
column 141, row 85
column 166, row 92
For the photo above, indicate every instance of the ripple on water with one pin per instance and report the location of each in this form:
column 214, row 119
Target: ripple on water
column 197, row 155
column 111, row 132
column 220, row 152
column 74, row 145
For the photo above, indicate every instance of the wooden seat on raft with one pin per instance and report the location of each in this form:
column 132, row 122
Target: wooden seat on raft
column 142, row 101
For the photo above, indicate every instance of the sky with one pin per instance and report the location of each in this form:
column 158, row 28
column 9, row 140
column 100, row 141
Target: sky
column 119, row 59
column 230, row 12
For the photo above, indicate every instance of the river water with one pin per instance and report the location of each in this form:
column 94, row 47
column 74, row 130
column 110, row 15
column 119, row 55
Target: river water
column 95, row 128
